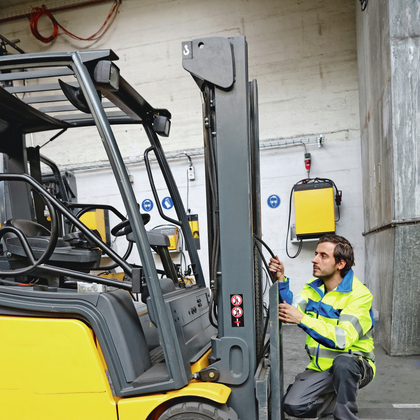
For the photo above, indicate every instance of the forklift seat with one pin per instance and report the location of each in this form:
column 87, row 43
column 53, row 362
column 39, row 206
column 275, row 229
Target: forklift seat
column 28, row 227
column 65, row 254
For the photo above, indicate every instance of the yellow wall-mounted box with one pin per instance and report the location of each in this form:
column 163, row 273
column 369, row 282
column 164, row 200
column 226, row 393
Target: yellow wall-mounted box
column 314, row 209
column 195, row 229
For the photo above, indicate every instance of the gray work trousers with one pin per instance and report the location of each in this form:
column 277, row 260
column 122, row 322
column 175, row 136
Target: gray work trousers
column 331, row 393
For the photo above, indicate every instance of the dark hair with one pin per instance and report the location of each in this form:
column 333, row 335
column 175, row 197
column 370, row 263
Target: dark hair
column 342, row 251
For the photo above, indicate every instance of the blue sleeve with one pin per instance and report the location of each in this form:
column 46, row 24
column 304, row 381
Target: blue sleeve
column 285, row 294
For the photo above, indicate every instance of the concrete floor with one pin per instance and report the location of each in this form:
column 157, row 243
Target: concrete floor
column 393, row 394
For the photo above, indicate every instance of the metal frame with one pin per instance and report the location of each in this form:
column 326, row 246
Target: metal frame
column 230, row 113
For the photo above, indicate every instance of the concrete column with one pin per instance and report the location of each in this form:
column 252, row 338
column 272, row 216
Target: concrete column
column 388, row 43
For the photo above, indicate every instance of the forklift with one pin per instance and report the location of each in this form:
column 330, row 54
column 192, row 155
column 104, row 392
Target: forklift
column 71, row 351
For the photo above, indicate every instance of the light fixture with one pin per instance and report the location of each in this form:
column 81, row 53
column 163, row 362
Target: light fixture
column 107, row 73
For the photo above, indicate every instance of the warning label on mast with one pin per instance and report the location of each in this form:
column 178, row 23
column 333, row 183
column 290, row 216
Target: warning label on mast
column 237, row 310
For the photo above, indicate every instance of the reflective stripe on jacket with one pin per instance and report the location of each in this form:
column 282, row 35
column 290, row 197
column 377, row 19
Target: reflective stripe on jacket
column 336, row 322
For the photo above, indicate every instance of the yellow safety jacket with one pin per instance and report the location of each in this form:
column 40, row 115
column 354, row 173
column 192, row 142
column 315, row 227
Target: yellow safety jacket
column 336, row 322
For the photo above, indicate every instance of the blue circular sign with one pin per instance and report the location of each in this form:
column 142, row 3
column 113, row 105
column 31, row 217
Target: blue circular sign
column 167, row 203
column 147, row 205
column 273, row 201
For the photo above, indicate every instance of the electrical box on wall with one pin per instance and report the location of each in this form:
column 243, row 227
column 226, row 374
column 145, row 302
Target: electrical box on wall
column 193, row 221
column 314, row 209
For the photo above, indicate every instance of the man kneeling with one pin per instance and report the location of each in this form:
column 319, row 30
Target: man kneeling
column 335, row 310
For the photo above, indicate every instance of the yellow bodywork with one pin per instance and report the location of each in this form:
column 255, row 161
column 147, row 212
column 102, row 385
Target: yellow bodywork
column 53, row 369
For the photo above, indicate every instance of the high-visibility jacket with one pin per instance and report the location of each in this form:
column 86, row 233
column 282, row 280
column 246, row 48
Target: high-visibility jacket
column 336, row 322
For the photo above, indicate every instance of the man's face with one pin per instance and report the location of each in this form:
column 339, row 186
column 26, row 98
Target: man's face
column 324, row 265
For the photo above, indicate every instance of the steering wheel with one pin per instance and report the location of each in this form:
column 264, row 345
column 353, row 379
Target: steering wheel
column 52, row 242
column 124, row 228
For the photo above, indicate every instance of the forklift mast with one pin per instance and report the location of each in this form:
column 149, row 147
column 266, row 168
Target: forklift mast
column 231, row 142
column 220, row 69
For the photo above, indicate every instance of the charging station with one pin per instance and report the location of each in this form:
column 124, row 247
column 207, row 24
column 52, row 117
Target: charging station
column 314, row 209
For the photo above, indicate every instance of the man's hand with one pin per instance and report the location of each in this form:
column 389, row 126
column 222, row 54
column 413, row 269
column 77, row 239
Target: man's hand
column 276, row 266
column 289, row 314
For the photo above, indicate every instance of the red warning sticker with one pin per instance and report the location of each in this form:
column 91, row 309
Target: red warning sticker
column 237, row 310
column 236, row 300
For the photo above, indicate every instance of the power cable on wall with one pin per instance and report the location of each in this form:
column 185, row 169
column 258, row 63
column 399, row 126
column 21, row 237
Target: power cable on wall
column 190, row 175
column 37, row 12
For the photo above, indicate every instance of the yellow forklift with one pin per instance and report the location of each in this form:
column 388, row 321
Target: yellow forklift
column 73, row 341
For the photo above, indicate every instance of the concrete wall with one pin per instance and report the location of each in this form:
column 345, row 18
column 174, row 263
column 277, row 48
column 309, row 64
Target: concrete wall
column 388, row 55
column 303, row 54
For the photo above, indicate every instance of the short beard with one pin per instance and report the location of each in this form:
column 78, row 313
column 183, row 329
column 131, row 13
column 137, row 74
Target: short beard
column 324, row 277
